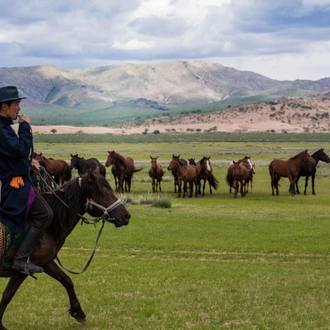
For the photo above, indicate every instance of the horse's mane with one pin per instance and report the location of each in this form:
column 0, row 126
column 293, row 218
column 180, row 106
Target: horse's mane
column 64, row 214
column 296, row 156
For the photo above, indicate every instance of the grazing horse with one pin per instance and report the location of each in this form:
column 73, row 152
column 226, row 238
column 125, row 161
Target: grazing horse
column 204, row 172
column 90, row 193
column 156, row 174
column 246, row 161
column 186, row 175
column 174, row 172
column 307, row 169
column 289, row 169
column 57, row 168
column 82, row 165
column 124, row 169
column 241, row 177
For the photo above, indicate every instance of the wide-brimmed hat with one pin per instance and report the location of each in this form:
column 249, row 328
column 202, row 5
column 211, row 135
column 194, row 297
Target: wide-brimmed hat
column 9, row 93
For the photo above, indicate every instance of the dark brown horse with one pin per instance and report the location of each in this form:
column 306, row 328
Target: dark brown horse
column 124, row 169
column 309, row 170
column 57, row 168
column 156, row 173
column 289, row 169
column 187, row 177
column 246, row 161
column 204, row 172
column 83, row 165
column 90, row 193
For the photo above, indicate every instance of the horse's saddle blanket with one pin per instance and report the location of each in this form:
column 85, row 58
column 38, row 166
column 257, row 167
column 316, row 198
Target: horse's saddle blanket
column 9, row 243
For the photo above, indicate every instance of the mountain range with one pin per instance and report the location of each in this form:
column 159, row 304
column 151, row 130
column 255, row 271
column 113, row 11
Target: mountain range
column 125, row 92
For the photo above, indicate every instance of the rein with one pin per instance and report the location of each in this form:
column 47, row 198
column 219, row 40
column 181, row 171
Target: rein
column 105, row 217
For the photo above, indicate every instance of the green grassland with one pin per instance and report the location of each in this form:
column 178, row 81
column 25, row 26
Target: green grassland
column 213, row 262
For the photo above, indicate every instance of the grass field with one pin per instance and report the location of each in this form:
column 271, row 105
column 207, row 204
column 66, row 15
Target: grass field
column 213, row 262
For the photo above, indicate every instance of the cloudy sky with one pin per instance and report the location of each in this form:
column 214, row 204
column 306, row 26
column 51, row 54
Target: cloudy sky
column 281, row 39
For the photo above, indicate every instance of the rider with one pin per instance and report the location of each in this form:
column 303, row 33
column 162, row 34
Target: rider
column 21, row 205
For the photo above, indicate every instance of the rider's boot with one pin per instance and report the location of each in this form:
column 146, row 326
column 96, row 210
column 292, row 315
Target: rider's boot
column 21, row 261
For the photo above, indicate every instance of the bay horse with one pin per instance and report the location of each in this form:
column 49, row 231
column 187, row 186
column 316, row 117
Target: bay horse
column 82, row 165
column 175, row 173
column 57, row 168
column 289, row 169
column 204, row 172
column 246, row 161
column 186, row 177
column 156, row 174
column 124, row 170
column 309, row 170
column 241, row 177
column 90, row 193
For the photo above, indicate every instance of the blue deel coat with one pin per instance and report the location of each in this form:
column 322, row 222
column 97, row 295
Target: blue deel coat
column 15, row 150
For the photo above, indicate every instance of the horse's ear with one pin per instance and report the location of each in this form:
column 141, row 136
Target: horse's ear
column 150, row 157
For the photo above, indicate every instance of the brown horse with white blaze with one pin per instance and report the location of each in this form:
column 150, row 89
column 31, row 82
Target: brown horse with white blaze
column 289, row 169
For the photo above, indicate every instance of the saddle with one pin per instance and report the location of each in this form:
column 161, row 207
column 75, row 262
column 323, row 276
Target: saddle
column 9, row 243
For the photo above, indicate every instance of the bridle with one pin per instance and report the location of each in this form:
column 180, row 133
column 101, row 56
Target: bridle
column 106, row 210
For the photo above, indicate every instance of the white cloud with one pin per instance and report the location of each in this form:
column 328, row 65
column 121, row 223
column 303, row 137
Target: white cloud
column 280, row 39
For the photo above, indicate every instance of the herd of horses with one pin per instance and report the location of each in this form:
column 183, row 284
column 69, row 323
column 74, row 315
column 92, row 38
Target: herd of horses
column 190, row 177
column 91, row 193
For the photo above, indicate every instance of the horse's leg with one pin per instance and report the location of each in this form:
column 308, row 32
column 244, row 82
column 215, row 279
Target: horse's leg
column 204, row 184
column 160, row 187
column 306, row 184
column 179, row 187
column 313, row 180
column 53, row 270
column 153, row 184
column 184, row 188
column 297, row 186
column 11, row 288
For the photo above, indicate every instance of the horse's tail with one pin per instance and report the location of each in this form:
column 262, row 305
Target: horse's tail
column 213, row 182
column 230, row 180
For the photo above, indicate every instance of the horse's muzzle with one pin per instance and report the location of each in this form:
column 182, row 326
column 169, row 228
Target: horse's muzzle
column 123, row 221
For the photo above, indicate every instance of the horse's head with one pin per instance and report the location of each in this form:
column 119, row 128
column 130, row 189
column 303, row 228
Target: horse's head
column 110, row 159
column 173, row 165
column 191, row 161
column 101, row 200
column 153, row 162
column 74, row 161
column 323, row 156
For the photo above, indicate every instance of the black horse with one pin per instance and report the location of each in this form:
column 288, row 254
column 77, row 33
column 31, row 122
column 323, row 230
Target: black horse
column 308, row 169
column 82, row 165
column 90, row 193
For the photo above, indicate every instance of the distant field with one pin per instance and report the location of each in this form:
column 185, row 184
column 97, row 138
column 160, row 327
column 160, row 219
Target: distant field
column 213, row 262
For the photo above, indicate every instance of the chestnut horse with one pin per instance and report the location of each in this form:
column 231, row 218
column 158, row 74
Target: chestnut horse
column 57, row 168
column 156, row 174
column 289, row 169
column 241, row 177
column 187, row 177
column 90, row 193
column 204, row 172
column 124, row 169
column 175, row 173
